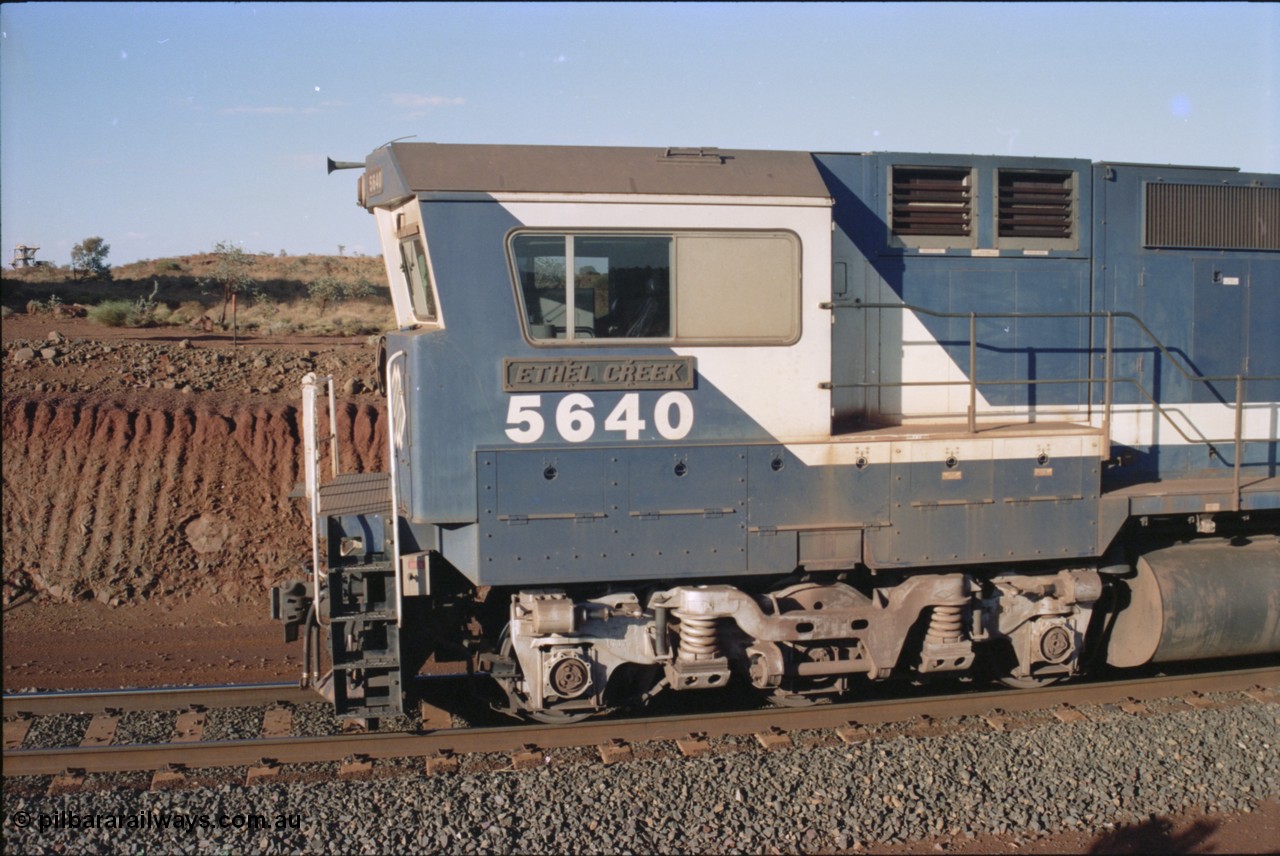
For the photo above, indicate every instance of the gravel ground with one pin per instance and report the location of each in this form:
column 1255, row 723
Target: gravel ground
column 315, row 720
column 233, row 723
column 145, row 726
column 1050, row 777
column 65, row 729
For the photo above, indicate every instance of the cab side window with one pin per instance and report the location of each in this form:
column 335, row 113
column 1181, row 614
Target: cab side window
column 689, row 287
column 417, row 277
column 621, row 286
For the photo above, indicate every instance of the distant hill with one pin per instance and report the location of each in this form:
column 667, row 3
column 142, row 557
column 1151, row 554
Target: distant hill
column 289, row 294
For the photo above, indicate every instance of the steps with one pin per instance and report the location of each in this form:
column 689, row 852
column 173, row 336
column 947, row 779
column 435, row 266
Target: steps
column 364, row 640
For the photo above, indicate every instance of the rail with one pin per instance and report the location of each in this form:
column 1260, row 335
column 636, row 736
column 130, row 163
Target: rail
column 427, row 742
column 1108, row 380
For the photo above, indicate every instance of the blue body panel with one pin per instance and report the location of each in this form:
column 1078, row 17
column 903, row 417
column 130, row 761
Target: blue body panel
column 956, row 281
column 731, row 499
column 1214, row 310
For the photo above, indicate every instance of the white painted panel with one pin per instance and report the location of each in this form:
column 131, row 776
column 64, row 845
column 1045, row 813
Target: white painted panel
column 386, row 220
column 1139, row 425
column 777, row 386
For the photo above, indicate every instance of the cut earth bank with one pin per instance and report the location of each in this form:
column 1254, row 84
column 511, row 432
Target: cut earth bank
column 147, row 476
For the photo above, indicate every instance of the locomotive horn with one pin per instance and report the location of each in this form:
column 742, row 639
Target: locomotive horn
column 333, row 164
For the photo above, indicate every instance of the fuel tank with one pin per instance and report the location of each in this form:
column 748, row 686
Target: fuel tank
column 1191, row 601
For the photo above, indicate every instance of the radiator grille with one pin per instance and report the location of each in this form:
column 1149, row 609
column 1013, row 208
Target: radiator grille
column 1036, row 205
column 1212, row 216
column 932, row 201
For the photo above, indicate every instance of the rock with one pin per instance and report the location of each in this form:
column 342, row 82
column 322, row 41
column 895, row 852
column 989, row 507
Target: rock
column 55, row 337
column 208, row 533
column 23, row 355
column 49, row 353
column 184, row 344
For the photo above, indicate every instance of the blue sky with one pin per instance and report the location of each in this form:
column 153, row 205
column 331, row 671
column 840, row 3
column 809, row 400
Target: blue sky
column 166, row 128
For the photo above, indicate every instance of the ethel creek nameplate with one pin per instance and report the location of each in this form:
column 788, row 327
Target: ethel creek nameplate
column 538, row 375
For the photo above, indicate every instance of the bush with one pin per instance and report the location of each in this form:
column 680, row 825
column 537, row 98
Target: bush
column 362, row 288
column 326, row 290
column 126, row 313
column 330, row 290
column 112, row 313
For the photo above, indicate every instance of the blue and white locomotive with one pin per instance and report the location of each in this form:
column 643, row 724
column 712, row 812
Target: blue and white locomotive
column 667, row 418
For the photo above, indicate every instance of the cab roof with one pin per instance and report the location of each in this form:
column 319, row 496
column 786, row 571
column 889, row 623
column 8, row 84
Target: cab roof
column 443, row 167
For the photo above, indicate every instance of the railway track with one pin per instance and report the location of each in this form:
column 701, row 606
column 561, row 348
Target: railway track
column 441, row 746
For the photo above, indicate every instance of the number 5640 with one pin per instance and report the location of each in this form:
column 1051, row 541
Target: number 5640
column 672, row 417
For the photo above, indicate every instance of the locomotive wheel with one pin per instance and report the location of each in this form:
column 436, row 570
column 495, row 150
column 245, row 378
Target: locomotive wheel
column 807, row 597
column 518, row 703
column 1029, row 683
column 1001, row 669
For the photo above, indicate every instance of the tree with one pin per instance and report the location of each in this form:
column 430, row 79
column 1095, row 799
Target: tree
column 231, row 272
column 89, row 258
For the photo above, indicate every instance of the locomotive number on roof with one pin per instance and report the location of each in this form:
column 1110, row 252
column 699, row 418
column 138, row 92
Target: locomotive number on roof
column 575, row 419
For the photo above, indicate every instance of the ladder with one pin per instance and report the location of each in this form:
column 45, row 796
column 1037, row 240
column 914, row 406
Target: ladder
column 353, row 577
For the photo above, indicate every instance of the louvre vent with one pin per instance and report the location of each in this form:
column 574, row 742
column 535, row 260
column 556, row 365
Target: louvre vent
column 1213, row 216
column 1036, row 205
column 932, row 201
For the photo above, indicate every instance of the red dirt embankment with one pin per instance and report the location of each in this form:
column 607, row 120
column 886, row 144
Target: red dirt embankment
column 123, row 488
column 118, row 500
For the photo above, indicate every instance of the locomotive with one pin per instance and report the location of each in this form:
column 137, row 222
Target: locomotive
column 667, row 419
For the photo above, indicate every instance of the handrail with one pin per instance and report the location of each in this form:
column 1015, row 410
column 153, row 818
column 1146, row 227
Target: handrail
column 311, row 470
column 312, row 478
column 333, row 428
column 395, row 499
column 1109, row 379
column 1173, row 358
column 1208, row 441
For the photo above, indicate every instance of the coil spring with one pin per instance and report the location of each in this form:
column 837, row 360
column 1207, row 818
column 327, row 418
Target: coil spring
column 697, row 637
column 945, row 624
